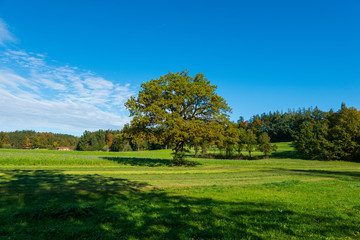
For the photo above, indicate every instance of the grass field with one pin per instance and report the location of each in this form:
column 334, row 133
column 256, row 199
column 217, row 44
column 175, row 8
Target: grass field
column 135, row 195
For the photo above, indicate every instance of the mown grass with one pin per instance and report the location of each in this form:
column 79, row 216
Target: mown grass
column 135, row 195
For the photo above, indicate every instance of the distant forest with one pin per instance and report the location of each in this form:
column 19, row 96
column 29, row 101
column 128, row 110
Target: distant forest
column 31, row 139
column 316, row 134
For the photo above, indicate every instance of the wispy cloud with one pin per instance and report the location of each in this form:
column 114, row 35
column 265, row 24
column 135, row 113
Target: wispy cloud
column 5, row 35
column 35, row 94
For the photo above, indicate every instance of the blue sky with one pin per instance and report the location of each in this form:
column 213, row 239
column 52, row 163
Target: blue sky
column 67, row 66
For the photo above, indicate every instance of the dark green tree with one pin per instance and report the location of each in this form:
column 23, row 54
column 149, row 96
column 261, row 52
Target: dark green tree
column 250, row 141
column 310, row 140
column 330, row 136
column 241, row 141
column 344, row 134
column 264, row 144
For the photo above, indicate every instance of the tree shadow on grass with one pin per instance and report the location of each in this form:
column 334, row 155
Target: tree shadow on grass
column 133, row 161
column 148, row 162
column 286, row 155
column 52, row 205
column 323, row 173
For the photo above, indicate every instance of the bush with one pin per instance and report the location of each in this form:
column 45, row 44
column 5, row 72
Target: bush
column 179, row 159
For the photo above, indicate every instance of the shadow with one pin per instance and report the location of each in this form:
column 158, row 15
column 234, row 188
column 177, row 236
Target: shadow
column 323, row 173
column 148, row 162
column 52, row 205
column 232, row 157
column 286, row 155
column 134, row 161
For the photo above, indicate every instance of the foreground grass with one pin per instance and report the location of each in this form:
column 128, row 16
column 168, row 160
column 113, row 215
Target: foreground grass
column 134, row 195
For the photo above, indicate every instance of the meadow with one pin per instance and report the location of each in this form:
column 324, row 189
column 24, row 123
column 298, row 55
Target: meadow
column 48, row 194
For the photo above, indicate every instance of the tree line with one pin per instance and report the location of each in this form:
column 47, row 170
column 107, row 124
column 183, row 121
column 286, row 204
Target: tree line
column 282, row 126
column 31, row 139
column 316, row 134
column 230, row 142
column 113, row 140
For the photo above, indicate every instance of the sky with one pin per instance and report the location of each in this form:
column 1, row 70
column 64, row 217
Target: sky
column 69, row 66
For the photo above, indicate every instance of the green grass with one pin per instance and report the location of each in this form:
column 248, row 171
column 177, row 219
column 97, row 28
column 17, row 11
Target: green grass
column 135, row 195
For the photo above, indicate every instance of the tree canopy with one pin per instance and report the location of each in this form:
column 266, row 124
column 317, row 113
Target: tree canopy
column 335, row 137
column 177, row 108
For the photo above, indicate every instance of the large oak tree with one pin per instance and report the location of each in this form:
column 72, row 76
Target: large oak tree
column 179, row 109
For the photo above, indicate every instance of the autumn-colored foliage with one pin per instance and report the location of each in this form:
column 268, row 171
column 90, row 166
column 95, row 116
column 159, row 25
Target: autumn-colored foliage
column 177, row 108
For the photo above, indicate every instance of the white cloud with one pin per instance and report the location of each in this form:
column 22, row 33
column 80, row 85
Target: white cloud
column 35, row 94
column 5, row 35
column 67, row 115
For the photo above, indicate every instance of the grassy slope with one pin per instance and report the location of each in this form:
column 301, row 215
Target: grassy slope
column 132, row 195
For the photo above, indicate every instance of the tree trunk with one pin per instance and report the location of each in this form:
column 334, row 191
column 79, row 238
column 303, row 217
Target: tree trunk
column 196, row 148
column 179, row 147
column 203, row 150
